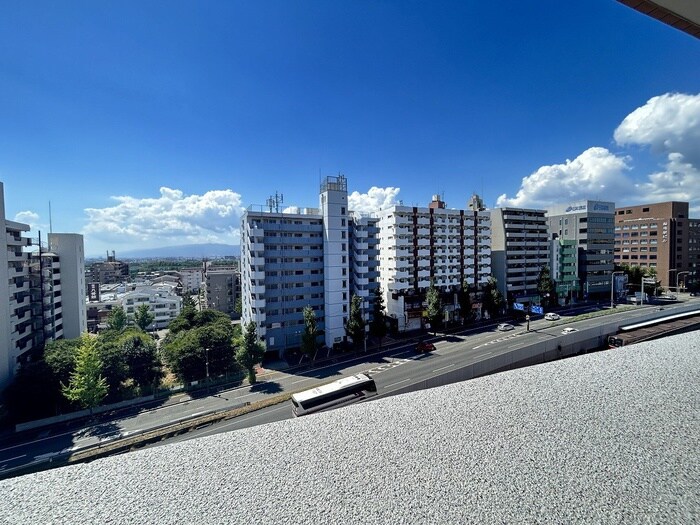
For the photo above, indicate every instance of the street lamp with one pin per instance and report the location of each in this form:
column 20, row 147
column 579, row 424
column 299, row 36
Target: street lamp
column 612, row 287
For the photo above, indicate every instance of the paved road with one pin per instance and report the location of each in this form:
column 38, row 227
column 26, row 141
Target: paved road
column 404, row 366
column 392, row 369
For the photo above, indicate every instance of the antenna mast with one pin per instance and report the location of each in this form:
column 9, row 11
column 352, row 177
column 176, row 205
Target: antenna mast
column 273, row 202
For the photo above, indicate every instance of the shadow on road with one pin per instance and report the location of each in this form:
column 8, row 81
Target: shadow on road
column 99, row 430
column 271, row 387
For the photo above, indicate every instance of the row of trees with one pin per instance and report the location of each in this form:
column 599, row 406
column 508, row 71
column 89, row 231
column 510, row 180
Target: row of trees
column 124, row 361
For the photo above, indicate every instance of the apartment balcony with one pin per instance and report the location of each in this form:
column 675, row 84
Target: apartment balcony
column 423, row 253
column 257, row 261
column 423, row 274
column 361, row 257
column 256, row 247
column 403, row 252
column 361, row 281
column 398, row 286
column 360, row 246
column 403, row 231
column 257, row 303
column 257, row 289
column 423, row 242
column 257, row 275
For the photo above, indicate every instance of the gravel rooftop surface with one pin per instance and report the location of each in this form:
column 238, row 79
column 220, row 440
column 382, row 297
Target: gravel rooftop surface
column 610, row 437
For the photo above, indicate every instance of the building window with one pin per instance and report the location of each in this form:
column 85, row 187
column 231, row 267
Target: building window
column 342, row 210
column 645, row 210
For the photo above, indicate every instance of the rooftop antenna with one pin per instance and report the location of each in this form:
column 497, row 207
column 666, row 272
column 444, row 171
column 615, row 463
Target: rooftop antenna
column 274, row 201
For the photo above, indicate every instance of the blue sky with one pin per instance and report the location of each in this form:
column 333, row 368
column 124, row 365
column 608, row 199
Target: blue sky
column 155, row 123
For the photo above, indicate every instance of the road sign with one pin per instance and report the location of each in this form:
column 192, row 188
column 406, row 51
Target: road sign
column 537, row 310
column 519, row 306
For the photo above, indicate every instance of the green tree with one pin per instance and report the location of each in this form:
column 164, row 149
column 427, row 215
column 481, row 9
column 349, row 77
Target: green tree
column 465, row 303
column 86, row 386
column 209, row 338
column 433, row 313
column 355, row 326
column 238, row 306
column 309, row 343
column 250, row 352
column 114, row 368
column 60, row 357
column 492, row 298
column 188, row 302
column 546, row 287
column 141, row 357
column 143, row 317
column 377, row 326
column 117, row 319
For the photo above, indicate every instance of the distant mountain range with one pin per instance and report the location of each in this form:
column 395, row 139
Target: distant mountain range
column 188, row 251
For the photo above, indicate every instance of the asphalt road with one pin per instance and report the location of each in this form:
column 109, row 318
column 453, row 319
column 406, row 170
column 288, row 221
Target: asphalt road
column 392, row 369
column 405, row 366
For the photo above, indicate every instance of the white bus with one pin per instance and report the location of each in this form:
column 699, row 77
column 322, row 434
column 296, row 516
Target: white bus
column 338, row 393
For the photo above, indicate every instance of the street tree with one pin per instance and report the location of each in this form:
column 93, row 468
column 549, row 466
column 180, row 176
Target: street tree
column 250, row 352
column 434, row 310
column 142, row 362
column 87, row 386
column 493, row 301
column 60, row 357
column 546, row 287
column 143, row 317
column 117, row 319
column 309, row 342
column 355, row 326
column 190, row 352
column 377, row 326
column 465, row 302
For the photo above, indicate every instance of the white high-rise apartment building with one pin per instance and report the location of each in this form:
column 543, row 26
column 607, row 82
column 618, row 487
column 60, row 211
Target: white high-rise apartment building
column 16, row 334
column 449, row 247
column 69, row 248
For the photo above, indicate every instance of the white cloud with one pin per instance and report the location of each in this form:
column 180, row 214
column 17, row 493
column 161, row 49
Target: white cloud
column 27, row 217
column 596, row 173
column 668, row 123
column 171, row 217
column 374, row 200
column 679, row 181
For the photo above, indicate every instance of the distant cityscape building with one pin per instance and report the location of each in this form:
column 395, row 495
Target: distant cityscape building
column 192, row 279
column 519, row 250
column 222, row 286
column 587, row 227
column 110, row 271
column 450, row 248
column 162, row 300
column 69, row 247
column 655, row 236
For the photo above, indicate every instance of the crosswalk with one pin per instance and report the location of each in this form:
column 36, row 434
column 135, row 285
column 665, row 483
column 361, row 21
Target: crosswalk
column 388, row 366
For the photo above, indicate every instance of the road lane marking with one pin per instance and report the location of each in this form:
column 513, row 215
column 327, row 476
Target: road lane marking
column 444, row 367
column 397, row 383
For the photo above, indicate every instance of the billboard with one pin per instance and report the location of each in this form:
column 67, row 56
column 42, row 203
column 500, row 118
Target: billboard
column 93, row 292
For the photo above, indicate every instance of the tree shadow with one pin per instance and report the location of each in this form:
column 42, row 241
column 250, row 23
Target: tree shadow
column 101, row 430
column 270, row 387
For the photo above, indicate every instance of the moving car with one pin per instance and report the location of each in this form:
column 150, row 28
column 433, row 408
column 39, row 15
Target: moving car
column 503, row 327
column 551, row 316
column 569, row 330
column 425, row 346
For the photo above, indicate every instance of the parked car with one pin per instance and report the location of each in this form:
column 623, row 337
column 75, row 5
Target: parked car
column 425, row 346
column 551, row 316
column 504, row 327
column 569, row 330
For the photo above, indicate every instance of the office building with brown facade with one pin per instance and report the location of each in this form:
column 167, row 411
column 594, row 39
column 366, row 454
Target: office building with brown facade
column 655, row 236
